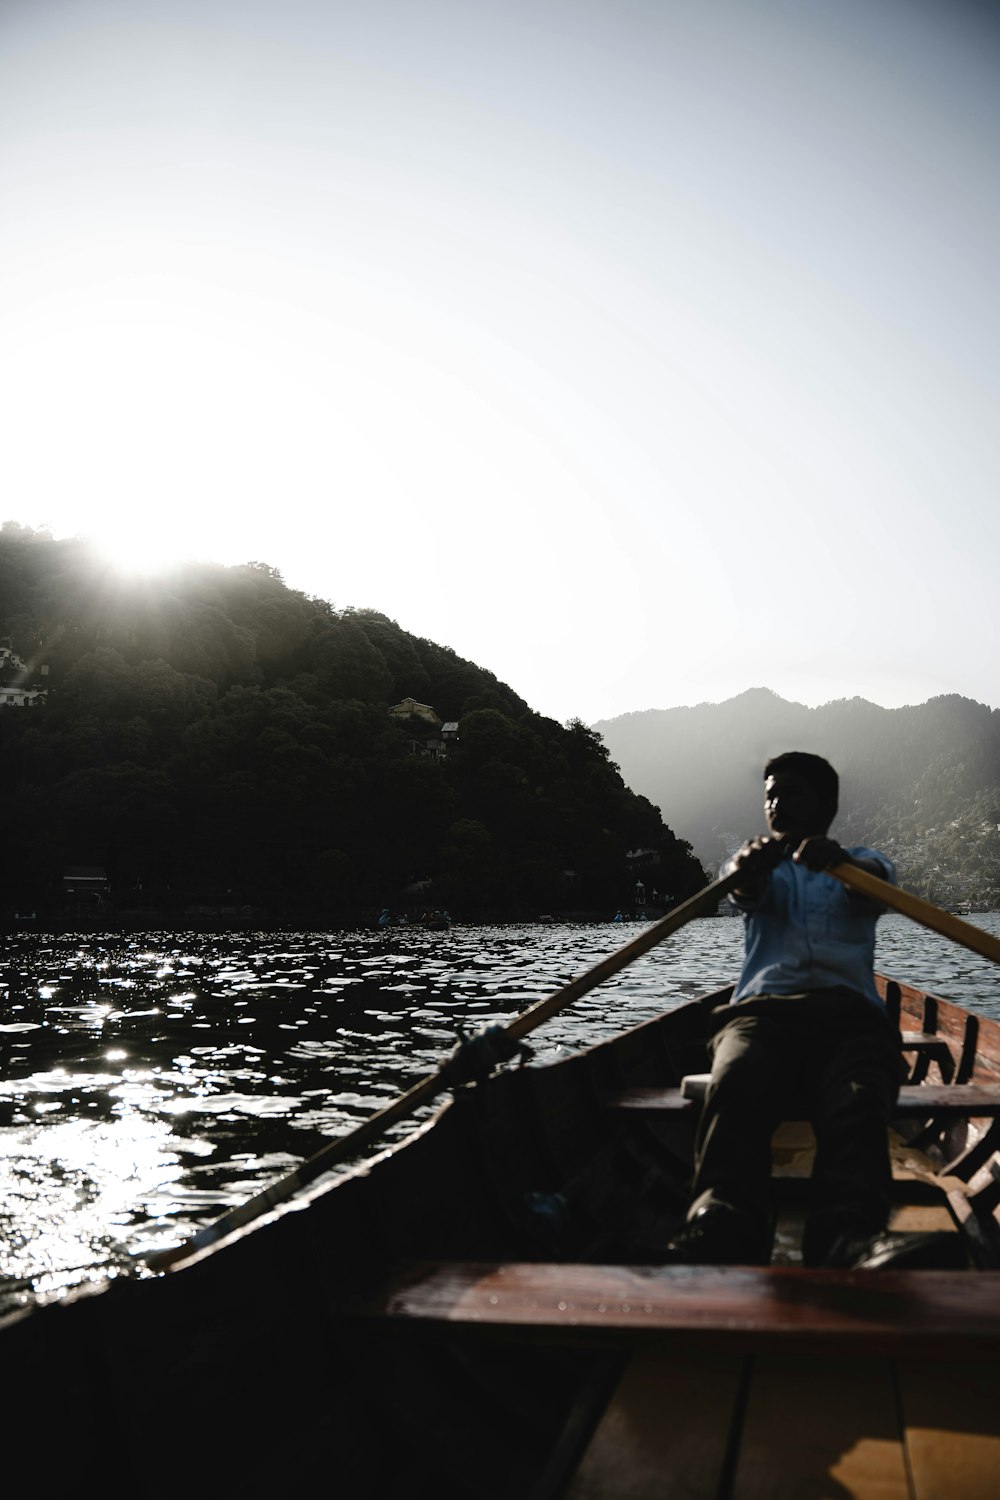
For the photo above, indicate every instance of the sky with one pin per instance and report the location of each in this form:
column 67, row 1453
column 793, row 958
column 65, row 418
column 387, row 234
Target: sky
column 640, row 351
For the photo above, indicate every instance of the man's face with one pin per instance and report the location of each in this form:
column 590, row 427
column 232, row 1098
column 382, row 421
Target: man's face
column 792, row 808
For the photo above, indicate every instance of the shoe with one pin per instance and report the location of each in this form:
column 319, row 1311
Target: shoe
column 938, row 1251
column 714, row 1237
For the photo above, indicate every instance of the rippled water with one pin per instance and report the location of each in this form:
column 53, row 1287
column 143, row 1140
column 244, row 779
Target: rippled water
column 150, row 1083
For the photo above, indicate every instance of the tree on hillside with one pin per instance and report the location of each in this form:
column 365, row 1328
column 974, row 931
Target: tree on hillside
column 214, row 736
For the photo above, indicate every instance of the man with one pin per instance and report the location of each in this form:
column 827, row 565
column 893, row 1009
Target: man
column 805, row 1035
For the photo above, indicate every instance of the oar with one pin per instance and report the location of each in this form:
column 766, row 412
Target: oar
column 920, row 910
column 500, row 1043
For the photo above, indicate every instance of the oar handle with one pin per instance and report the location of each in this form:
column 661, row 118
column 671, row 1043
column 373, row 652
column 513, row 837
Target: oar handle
column 944, row 922
column 349, row 1145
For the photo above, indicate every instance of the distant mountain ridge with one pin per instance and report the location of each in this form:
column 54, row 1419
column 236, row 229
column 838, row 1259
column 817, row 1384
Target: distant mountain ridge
column 921, row 782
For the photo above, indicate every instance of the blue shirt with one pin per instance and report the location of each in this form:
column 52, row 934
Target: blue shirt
column 806, row 931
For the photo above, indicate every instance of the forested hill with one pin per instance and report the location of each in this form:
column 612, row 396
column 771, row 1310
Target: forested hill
column 922, row 783
column 215, row 738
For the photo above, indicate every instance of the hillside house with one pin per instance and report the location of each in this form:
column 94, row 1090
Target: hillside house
column 430, row 746
column 16, row 697
column 411, row 709
column 14, row 694
column 85, row 885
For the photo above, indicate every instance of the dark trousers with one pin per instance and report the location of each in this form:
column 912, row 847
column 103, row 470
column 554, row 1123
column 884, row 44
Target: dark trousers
column 830, row 1057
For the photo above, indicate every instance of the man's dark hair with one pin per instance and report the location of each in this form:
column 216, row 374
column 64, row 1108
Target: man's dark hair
column 815, row 771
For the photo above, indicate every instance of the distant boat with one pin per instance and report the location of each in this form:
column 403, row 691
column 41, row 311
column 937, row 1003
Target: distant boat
column 433, row 921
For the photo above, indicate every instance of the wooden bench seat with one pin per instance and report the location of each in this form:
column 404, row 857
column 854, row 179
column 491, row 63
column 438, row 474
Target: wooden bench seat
column 969, row 1184
column 769, row 1308
column 915, row 1102
column 753, row 1382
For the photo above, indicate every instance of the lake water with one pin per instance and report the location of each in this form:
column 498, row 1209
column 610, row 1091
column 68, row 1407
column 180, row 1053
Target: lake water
column 150, row 1083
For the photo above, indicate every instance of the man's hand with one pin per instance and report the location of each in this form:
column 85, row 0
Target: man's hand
column 819, row 853
column 755, row 860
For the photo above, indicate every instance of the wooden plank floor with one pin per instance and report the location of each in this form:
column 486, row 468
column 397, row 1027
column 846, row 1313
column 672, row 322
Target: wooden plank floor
column 952, row 1428
column 665, row 1434
column 795, row 1427
column 821, row 1427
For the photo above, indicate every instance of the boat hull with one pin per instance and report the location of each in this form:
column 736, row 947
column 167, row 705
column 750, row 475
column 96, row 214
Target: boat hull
column 479, row 1312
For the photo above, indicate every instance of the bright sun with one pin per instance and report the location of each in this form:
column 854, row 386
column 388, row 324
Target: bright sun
column 135, row 548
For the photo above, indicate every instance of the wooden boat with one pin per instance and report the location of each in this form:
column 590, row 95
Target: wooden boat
column 478, row 1313
column 433, row 921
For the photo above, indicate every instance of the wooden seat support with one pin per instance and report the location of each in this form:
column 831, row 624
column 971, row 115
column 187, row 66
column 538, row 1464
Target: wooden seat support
column 929, row 1045
column 928, row 1048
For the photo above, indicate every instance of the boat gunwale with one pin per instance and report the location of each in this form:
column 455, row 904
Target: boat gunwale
column 600, row 1058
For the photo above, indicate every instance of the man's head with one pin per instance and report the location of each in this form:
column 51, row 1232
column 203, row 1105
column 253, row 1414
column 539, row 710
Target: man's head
column 800, row 794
